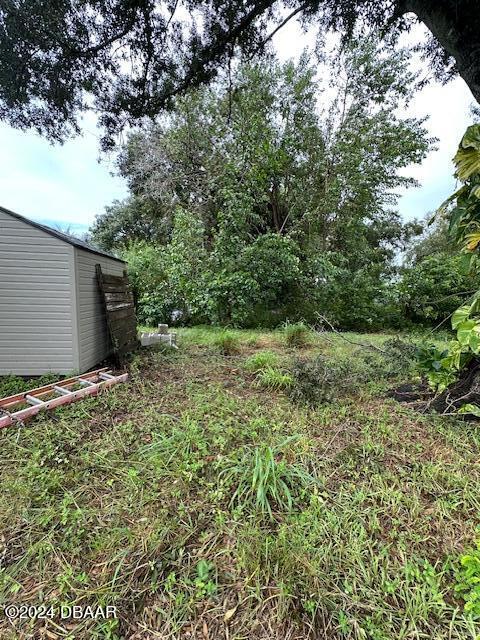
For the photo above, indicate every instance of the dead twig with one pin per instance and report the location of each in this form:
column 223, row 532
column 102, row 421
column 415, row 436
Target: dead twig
column 357, row 344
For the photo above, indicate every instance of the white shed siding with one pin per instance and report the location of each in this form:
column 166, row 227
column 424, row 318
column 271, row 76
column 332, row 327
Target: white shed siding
column 94, row 341
column 37, row 324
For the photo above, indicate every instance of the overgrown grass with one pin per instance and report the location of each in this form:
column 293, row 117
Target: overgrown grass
column 296, row 335
column 11, row 385
column 274, row 379
column 203, row 505
column 266, row 481
column 261, row 360
column 227, row 343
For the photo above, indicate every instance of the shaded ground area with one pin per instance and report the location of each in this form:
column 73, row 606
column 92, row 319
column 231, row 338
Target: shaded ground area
column 133, row 500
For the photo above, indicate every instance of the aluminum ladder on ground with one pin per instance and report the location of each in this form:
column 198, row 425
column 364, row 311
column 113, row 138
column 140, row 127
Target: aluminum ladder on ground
column 60, row 393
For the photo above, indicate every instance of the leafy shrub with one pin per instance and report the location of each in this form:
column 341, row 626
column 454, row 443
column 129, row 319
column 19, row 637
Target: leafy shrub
column 399, row 359
column 266, row 481
column 147, row 274
column 319, row 380
column 436, row 365
column 248, row 284
column 273, row 263
column 261, row 360
column 296, row 335
column 227, row 343
column 366, row 283
column 432, row 289
column 167, row 280
column 468, row 581
column 275, row 379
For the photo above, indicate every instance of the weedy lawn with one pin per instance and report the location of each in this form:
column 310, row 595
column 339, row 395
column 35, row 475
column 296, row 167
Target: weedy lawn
column 203, row 503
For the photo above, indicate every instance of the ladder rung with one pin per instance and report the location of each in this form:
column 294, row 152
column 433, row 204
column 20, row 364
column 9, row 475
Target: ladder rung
column 106, row 376
column 10, row 416
column 86, row 383
column 32, row 400
column 62, row 391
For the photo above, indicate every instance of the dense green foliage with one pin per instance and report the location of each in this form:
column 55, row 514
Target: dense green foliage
column 463, row 209
column 263, row 206
column 434, row 279
column 59, row 58
column 431, row 290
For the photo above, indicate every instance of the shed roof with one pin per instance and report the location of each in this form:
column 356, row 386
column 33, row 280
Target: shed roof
column 76, row 242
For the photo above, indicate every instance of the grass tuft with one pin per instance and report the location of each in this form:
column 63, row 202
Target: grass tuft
column 296, row 335
column 266, row 482
column 261, row 360
column 274, row 379
column 227, row 343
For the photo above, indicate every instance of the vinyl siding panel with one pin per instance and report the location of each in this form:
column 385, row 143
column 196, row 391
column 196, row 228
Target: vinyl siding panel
column 94, row 341
column 37, row 301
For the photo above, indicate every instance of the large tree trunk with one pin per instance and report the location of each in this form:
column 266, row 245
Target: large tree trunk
column 465, row 391
column 456, row 26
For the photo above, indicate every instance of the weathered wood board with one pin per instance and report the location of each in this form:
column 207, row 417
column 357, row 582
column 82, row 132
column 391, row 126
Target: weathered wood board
column 120, row 312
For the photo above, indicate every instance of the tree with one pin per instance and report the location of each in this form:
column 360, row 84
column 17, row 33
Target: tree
column 295, row 205
column 436, row 285
column 433, row 239
column 129, row 58
column 127, row 221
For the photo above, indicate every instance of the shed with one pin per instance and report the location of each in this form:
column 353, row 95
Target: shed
column 52, row 316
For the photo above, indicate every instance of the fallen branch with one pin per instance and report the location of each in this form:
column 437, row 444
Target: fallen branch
column 357, row 344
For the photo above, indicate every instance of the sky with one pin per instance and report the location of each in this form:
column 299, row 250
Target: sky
column 68, row 185
column 448, row 108
column 60, row 185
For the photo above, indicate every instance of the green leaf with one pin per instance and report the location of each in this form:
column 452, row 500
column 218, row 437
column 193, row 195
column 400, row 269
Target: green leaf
column 444, row 206
column 474, row 342
column 472, row 240
column 471, row 137
column 471, row 409
column 464, row 331
column 467, row 158
column 465, row 264
column 460, row 315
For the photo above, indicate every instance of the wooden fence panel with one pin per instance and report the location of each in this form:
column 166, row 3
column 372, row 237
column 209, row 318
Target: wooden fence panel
column 120, row 312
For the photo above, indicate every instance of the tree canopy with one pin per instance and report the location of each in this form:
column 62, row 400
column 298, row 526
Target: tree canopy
column 260, row 201
column 128, row 59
